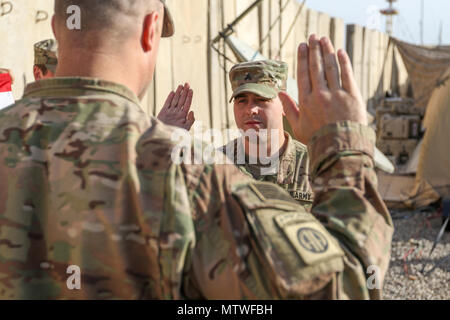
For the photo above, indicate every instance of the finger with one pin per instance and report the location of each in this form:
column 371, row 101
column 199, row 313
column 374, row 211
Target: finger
column 303, row 80
column 183, row 96
column 331, row 64
column 168, row 101
column 177, row 97
column 290, row 108
column 188, row 102
column 316, row 64
column 190, row 120
column 348, row 78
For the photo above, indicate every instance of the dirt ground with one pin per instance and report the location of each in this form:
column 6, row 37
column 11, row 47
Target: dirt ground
column 415, row 232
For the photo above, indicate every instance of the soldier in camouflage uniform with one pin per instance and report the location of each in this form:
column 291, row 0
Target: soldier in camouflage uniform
column 256, row 106
column 45, row 59
column 87, row 180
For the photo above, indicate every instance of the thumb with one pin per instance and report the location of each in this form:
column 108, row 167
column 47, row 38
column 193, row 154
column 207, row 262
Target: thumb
column 290, row 107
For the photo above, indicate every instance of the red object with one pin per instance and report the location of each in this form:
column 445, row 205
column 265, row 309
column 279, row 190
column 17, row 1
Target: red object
column 5, row 82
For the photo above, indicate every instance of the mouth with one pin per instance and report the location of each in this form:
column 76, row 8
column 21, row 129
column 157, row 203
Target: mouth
column 253, row 122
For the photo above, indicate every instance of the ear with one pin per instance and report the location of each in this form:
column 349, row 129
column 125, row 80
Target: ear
column 37, row 73
column 54, row 26
column 150, row 31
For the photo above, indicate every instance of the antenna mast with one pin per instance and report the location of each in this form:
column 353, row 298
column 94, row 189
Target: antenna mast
column 422, row 22
column 390, row 13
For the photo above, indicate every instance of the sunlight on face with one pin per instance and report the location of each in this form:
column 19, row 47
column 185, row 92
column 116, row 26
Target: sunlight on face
column 255, row 112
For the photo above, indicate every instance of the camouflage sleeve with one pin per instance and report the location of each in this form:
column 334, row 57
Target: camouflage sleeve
column 348, row 204
column 218, row 234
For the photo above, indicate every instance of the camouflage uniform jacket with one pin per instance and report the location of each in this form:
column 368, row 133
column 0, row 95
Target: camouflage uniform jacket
column 292, row 173
column 87, row 180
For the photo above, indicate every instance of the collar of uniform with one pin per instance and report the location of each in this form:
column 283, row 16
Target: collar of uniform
column 63, row 86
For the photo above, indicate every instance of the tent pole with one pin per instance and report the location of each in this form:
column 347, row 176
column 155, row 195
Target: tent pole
column 229, row 29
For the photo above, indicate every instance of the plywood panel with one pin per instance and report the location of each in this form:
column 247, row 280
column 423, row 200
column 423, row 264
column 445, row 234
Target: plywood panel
column 373, row 72
column 164, row 82
column 229, row 14
column 400, row 74
column 337, row 33
column 248, row 29
column 289, row 50
column 301, row 35
column 365, row 64
column 387, row 70
column 264, row 25
column 190, row 61
column 355, row 50
column 382, row 49
column 312, row 22
column 218, row 107
column 323, row 25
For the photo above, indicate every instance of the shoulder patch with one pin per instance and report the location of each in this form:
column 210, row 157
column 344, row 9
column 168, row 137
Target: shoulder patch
column 294, row 244
column 310, row 240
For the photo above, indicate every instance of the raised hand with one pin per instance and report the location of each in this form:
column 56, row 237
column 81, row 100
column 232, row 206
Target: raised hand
column 176, row 108
column 325, row 97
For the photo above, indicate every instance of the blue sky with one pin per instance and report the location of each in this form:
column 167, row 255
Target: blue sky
column 406, row 25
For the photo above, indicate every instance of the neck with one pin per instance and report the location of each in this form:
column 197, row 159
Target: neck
column 281, row 146
column 115, row 67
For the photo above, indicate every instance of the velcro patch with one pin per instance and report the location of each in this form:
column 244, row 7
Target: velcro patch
column 310, row 240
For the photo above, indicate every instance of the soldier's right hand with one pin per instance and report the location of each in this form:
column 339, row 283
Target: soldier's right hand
column 176, row 111
column 323, row 98
column 3, row 70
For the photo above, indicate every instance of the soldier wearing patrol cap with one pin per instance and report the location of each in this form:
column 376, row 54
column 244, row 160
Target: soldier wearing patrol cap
column 45, row 59
column 256, row 86
column 94, row 206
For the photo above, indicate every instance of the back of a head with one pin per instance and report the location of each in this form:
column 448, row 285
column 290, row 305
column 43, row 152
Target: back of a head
column 116, row 19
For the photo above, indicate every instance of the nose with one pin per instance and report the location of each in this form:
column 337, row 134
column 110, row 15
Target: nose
column 252, row 109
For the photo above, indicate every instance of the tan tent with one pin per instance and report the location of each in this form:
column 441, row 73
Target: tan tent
column 426, row 67
column 434, row 161
column 429, row 72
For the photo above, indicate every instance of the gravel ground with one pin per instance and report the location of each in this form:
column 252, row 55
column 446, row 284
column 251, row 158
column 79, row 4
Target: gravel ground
column 415, row 233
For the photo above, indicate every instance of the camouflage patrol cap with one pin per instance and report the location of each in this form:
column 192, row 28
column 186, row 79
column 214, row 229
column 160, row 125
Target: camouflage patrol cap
column 45, row 53
column 169, row 26
column 263, row 78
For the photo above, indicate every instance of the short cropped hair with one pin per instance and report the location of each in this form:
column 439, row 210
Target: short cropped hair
column 113, row 16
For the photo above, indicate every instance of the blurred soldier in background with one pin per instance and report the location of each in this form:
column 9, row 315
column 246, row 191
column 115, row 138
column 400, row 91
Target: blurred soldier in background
column 45, row 59
column 91, row 188
column 256, row 86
